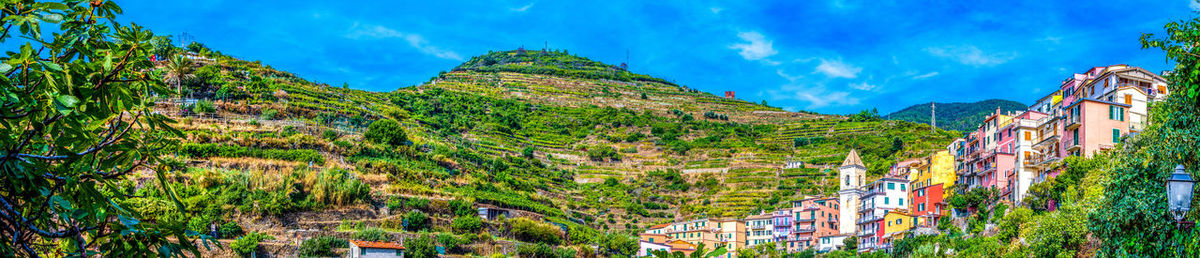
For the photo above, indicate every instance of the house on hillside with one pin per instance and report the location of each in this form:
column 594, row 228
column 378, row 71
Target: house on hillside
column 372, row 249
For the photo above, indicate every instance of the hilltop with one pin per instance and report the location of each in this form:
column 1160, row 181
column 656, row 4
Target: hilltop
column 589, row 146
column 957, row 116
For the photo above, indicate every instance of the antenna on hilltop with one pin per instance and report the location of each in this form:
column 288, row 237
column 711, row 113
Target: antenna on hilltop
column 933, row 116
column 183, row 39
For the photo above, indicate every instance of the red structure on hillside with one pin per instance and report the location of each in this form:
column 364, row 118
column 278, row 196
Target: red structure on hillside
column 729, row 95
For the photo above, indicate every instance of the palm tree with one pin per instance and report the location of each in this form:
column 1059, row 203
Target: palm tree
column 178, row 70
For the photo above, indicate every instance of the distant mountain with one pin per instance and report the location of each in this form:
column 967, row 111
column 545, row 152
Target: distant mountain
column 957, row 115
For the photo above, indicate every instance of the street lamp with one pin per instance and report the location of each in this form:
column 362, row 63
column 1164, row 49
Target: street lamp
column 1179, row 193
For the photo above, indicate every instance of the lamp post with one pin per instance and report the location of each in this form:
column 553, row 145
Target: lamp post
column 1179, row 193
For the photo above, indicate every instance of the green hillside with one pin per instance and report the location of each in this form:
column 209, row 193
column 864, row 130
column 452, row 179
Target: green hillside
column 958, row 116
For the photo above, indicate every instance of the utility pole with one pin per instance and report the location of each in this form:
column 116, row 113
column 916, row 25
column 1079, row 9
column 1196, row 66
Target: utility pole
column 933, row 116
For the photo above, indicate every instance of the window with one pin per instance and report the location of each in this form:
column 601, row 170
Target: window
column 1028, row 136
column 1128, row 99
column 901, row 187
column 362, row 251
column 891, row 186
column 885, row 200
column 901, row 201
column 1075, row 136
column 1116, row 135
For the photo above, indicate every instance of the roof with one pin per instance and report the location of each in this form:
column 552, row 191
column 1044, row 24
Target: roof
column 659, row 226
column 852, row 159
column 761, row 216
column 377, row 245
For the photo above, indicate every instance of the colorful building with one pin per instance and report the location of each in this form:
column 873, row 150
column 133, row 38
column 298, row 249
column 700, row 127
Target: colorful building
column 928, row 205
column 814, row 218
column 878, row 198
column 760, row 230
column 896, row 226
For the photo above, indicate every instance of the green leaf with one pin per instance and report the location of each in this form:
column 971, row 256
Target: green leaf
column 129, row 222
column 51, row 66
column 65, row 103
column 51, row 18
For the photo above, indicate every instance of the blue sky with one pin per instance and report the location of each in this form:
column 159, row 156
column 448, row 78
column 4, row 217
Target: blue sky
column 837, row 56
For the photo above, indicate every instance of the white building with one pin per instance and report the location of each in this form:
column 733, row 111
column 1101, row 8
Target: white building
column 371, row 249
column 645, row 248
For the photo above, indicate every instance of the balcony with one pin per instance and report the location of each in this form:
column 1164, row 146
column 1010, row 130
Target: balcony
column 1074, row 146
column 799, row 239
column 868, row 219
column 758, row 226
column 807, row 229
column 865, row 208
column 866, row 233
column 804, row 220
column 1073, row 122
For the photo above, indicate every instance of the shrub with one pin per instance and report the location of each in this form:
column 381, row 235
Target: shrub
column 249, row 243
column 450, row 242
column 534, row 231
column 386, row 131
column 535, row 250
column 321, row 246
column 230, row 230
column 420, row 247
column 204, row 106
column 462, row 207
column 416, row 221
column 268, row 114
column 466, row 224
column 371, row 234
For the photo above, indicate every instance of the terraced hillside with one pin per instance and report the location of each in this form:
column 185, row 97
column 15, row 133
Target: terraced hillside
column 586, row 146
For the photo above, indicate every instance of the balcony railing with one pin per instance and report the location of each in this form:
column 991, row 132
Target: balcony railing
column 1073, row 122
column 805, row 229
column 864, row 208
column 799, row 238
column 868, row 219
column 758, row 226
column 804, row 220
column 866, row 233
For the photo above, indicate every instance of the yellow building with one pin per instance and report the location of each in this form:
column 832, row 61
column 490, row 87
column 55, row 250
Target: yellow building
column 935, row 169
column 896, row 225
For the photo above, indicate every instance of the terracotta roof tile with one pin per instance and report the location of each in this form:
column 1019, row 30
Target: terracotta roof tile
column 379, row 245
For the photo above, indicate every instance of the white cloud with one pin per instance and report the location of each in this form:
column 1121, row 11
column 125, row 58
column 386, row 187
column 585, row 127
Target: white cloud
column 756, row 47
column 923, row 76
column 416, row 41
column 970, row 55
column 790, row 78
column 815, row 94
column 716, row 10
column 836, row 68
column 862, row 86
column 522, row 8
column 1194, row 5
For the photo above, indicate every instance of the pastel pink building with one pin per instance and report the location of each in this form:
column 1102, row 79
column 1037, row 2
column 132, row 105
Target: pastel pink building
column 1089, row 112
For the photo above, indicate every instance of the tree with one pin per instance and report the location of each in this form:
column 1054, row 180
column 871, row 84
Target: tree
column 1145, row 161
column 386, row 131
column 77, row 120
column 850, row 243
column 421, row 247
column 416, row 221
column 321, row 246
column 177, row 71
